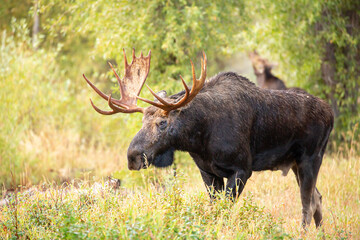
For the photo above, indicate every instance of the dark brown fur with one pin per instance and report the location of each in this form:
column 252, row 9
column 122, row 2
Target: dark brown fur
column 232, row 128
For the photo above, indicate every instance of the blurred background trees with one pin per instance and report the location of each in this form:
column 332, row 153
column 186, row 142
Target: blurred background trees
column 317, row 44
column 47, row 126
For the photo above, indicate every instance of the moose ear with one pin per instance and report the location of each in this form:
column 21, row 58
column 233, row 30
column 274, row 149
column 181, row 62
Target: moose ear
column 161, row 94
column 253, row 55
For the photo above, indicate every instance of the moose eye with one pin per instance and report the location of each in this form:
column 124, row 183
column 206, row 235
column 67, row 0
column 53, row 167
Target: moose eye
column 162, row 124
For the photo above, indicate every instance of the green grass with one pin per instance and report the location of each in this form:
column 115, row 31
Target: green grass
column 151, row 212
column 161, row 206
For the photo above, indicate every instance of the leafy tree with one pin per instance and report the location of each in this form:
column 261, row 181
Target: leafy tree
column 174, row 30
column 14, row 9
column 315, row 42
column 318, row 46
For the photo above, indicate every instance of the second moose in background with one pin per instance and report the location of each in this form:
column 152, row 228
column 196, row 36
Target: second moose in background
column 264, row 77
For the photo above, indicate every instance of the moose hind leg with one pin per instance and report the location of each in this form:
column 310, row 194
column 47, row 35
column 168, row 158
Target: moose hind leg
column 317, row 199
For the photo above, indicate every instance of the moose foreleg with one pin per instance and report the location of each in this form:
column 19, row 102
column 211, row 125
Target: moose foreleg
column 214, row 184
column 236, row 183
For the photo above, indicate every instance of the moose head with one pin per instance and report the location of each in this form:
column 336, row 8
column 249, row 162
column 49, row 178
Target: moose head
column 162, row 123
column 260, row 64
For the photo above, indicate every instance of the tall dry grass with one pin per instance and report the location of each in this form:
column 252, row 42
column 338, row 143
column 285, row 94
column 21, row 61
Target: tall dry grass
column 162, row 206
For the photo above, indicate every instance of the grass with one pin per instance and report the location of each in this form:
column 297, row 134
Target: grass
column 161, row 206
column 339, row 185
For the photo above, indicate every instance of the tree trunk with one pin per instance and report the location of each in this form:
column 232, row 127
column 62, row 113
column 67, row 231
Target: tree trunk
column 328, row 73
column 350, row 68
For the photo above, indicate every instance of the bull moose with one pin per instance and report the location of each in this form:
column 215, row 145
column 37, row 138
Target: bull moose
column 230, row 127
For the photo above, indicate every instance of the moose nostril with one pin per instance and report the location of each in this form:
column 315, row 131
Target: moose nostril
column 134, row 159
column 131, row 158
column 132, row 154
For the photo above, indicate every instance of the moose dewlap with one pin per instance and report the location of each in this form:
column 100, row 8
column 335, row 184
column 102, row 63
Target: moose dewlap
column 230, row 127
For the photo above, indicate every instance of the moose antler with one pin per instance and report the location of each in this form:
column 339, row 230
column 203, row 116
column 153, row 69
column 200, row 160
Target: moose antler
column 189, row 94
column 134, row 79
column 130, row 86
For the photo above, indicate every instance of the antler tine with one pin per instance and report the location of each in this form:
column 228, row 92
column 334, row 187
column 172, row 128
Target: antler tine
column 158, row 97
column 101, row 111
column 112, row 106
column 103, row 95
column 185, row 86
column 118, row 78
column 193, row 72
column 116, row 109
column 125, row 59
column 152, row 103
column 203, row 68
column 189, row 94
column 133, row 55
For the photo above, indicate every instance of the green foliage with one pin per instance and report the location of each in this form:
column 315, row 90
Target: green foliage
column 317, row 45
column 174, row 30
column 14, row 9
column 102, row 213
column 40, row 103
column 19, row 93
